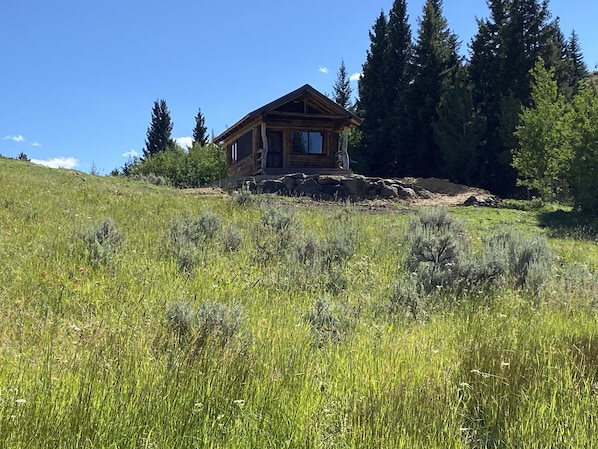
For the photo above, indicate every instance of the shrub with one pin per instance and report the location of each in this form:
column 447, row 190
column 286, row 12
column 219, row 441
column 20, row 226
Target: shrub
column 152, row 179
column 189, row 236
column 325, row 323
column 277, row 232
column 231, row 239
column 211, row 324
column 102, row 240
column 440, row 261
column 508, row 253
column 436, row 248
column 406, row 297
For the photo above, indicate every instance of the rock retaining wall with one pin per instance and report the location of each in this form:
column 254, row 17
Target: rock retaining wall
column 339, row 187
column 333, row 187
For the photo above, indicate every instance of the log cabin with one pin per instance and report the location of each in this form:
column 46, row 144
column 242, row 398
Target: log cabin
column 302, row 131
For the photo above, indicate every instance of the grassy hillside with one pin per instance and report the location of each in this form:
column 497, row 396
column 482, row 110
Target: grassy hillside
column 135, row 316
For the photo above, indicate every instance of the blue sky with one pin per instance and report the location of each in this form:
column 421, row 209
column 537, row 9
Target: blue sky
column 79, row 79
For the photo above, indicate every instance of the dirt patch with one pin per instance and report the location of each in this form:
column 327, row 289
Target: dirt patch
column 444, row 192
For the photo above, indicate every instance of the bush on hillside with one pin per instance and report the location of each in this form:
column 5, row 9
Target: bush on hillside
column 102, row 240
column 440, row 260
column 197, row 166
column 188, row 237
column 212, row 325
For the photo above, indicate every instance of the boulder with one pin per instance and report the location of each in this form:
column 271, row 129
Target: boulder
column 387, row 192
column 328, row 181
column 309, row 187
column 270, row 186
column 357, row 186
column 289, row 183
column 407, row 193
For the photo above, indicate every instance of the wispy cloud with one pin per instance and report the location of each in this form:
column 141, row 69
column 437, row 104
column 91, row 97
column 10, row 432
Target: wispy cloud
column 57, row 162
column 323, row 69
column 36, row 144
column 355, row 77
column 17, row 138
column 185, row 142
column 131, row 154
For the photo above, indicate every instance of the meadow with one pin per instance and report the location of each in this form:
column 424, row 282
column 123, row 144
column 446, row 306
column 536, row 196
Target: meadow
column 138, row 316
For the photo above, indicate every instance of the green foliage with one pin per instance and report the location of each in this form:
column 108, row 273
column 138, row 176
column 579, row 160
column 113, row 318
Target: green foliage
column 205, row 164
column 200, row 132
column 436, row 66
column 544, row 153
column 342, row 91
column 526, row 260
column 458, row 132
column 382, row 91
column 504, row 50
column 200, row 165
column 436, row 248
column 159, row 133
column 584, row 166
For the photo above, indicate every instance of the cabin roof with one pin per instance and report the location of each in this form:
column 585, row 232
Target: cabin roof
column 321, row 101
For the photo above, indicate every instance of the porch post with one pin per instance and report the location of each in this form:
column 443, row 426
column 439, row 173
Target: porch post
column 344, row 149
column 264, row 158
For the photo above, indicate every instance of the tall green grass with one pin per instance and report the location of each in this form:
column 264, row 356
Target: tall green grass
column 89, row 356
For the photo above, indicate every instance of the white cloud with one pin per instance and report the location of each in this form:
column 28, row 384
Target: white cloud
column 17, row 138
column 323, row 69
column 57, row 162
column 185, row 142
column 131, row 154
column 36, row 144
column 355, row 77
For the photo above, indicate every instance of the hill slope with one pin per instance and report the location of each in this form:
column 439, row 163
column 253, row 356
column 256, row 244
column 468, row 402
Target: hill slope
column 137, row 316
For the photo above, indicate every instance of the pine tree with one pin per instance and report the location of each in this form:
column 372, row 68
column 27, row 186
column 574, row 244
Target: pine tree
column 200, row 132
column 372, row 105
column 398, row 58
column 342, row 90
column 386, row 77
column 457, row 132
column 436, row 65
column 504, row 51
column 160, row 130
column 576, row 69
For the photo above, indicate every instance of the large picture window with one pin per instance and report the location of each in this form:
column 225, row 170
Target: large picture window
column 308, row 142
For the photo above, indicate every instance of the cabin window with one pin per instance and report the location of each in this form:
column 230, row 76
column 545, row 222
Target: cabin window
column 242, row 147
column 308, row 142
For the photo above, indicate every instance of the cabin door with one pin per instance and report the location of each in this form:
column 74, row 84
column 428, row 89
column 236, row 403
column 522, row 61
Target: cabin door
column 274, row 149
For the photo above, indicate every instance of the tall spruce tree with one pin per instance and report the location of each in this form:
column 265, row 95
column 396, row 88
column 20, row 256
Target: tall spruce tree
column 458, row 131
column 436, row 66
column 200, row 132
column 372, row 105
column 386, row 77
column 160, row 130
column 342, row 91
column 503, row 52
column 574, row 66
